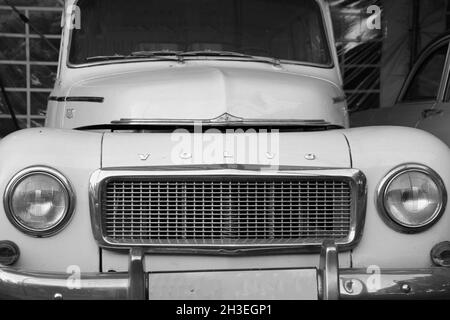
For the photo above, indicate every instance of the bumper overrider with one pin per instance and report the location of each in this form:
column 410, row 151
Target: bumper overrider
column 331, row 282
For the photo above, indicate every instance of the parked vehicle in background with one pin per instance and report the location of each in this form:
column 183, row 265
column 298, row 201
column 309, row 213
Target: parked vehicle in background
column 201, row 150
column 424, row 101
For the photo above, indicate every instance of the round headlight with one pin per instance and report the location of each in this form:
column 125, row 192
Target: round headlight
column 412, row 198
column 39, row 201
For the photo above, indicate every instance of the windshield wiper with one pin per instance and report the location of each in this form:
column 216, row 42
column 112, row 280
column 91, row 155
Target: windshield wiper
column 161, row 54
column 156, row 53
column 215, row 53
column 173, row 55
column 205, row 53
column 232, row 54
column 130, row 56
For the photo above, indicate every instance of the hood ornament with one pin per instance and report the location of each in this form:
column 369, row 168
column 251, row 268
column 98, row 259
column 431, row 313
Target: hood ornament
column 226, row 117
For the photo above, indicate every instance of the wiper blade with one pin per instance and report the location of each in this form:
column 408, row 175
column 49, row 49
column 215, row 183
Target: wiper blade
column 103, row 58
column 179, row 56
column 232, row 54
column 130, row 56
column 190, row 53
column 160, row 54
column 156, row 53
column 207, row 53
column 215, row 53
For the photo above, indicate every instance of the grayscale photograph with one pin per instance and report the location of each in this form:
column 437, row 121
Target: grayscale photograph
column 224, row 158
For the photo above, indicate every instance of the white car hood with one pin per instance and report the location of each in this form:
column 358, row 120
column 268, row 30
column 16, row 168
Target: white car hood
column 202, row 93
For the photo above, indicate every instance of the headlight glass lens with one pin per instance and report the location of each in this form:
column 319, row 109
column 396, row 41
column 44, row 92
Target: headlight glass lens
column 39, row 202
column 413, row 199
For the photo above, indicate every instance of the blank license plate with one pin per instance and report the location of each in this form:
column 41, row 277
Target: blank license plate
column 286, row 284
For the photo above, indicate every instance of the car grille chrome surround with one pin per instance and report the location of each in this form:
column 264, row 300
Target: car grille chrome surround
column 227, row 209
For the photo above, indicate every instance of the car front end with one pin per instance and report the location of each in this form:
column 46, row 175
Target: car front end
column 192, row 170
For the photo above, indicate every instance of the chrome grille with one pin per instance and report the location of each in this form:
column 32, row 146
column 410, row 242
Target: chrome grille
column 226, row 210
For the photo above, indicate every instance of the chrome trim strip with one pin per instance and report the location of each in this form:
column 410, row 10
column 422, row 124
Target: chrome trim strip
column 355, row 177
column 384, row 184
column 328, row 273
column 223, row 120
column 77, row 99
column 18, row 177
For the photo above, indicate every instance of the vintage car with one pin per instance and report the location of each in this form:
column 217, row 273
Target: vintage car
column 424, row 101
column 201, row 150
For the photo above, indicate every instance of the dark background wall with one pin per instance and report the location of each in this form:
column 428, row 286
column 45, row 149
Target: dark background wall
column 27, row 63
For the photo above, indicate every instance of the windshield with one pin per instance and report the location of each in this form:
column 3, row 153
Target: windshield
column 289, row 30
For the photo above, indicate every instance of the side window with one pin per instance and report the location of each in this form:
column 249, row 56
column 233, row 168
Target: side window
column 426, row 81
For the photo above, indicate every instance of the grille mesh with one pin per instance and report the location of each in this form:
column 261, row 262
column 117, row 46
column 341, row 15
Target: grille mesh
column 225, row 210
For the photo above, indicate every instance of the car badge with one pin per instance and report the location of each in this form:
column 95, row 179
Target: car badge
column 270, row 155
column 144, row 156
column 227, row 155
column 185, row 155
column 69, row 113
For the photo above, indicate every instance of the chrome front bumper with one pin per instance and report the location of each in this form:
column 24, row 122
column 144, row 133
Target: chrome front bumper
column 330, row 282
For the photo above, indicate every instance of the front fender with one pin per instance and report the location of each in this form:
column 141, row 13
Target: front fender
column 376, row 151
column 74, row 154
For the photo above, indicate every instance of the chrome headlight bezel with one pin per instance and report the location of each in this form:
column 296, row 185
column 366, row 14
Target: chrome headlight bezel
column 390, row 177
column 52, row 173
